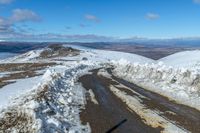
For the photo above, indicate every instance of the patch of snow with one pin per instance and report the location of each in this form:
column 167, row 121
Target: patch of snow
column 104, row 73
column 92, row 96
column 13, row 90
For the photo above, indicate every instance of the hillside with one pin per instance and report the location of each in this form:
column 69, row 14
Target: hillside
column 62, row 88
column 184, row 59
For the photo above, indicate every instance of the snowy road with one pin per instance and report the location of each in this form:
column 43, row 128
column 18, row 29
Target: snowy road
column 116, row 105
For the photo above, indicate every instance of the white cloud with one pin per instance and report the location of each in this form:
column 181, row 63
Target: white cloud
column 152, row 16
column 6, row 1
column 20, row 15
column 5, row 25
column 55, row 37
column 196, row 1
column 92, row 18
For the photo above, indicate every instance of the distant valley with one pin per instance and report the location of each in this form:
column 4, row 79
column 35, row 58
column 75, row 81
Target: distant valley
column 156, row 51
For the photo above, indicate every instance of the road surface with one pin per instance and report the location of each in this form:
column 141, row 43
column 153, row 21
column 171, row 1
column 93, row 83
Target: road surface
column 117, row 106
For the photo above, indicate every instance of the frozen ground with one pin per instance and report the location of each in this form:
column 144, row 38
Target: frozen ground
column 51, row 102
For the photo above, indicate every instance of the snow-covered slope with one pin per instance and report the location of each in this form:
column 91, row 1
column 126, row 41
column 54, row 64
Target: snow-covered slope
column 56, row 98
column 175, row 76
column 54, row 92
column 107, row 56
column 91, row 54
column 183, row 59
column 23, row 57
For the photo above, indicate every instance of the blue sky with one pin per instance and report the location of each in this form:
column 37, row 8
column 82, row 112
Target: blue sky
column 98, row 20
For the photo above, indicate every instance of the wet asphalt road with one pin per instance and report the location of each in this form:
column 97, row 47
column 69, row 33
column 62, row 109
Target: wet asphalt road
column 111, row 114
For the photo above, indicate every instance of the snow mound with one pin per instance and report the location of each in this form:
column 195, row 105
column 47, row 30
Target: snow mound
column 52, row 106
column 187, row 59
column 179, row 84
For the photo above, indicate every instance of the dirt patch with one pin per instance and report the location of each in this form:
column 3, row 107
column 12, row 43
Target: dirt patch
column 4, row 83
column 27, row 70
column 13, row 76
column 24, row 66
column 20, row 118
column 57, row 50
column 43, row 94
column 14, row 120
column 20, row 75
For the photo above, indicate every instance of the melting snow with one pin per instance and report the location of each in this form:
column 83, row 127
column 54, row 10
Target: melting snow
column 57, row 108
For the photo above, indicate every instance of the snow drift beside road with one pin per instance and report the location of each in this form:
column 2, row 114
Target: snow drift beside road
column 178, row 84
column 52, row 106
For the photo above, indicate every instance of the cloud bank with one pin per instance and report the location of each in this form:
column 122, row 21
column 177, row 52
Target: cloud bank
column 7, row 25
column 56, row 37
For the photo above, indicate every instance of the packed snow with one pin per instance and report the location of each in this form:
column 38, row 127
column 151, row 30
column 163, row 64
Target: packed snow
column 179, row 84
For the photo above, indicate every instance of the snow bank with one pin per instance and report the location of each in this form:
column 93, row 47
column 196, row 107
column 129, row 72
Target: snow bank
column 53, row 105
column 181, row 85
column 176, row 76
